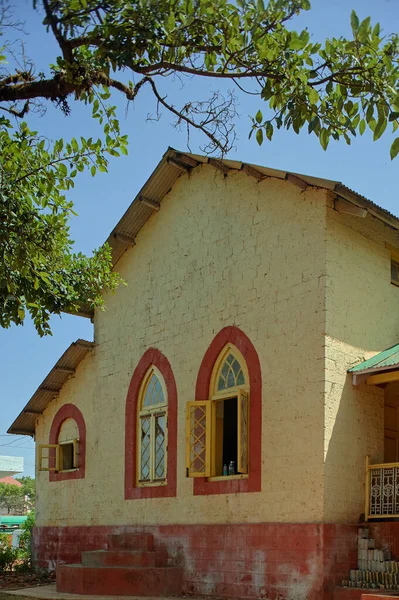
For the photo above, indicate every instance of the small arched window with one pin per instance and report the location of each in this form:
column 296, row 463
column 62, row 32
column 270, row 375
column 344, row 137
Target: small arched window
column 217, row 428
column 152, row 429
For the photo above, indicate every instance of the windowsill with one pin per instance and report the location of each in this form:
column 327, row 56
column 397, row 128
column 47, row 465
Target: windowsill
column 143, row 484
column 228, row 477
column 68, row 470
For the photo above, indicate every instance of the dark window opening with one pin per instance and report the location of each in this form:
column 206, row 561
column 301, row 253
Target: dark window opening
column 394, row 272
column 67, row 461
column 226, row 436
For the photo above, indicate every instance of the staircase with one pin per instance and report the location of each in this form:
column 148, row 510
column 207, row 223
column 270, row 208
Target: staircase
column 376, row 576
column 130, row 567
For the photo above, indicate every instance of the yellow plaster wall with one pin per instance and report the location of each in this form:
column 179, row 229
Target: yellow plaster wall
column 362, row 318
column 221, row 251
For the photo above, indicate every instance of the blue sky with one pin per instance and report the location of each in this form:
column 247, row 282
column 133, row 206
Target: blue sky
column 365, row 166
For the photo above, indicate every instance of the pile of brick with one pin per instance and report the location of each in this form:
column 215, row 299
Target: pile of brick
column 375, row 567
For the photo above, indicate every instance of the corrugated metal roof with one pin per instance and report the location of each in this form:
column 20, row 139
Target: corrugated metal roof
column 174, row 163
column 383, row 361
column 63, row 369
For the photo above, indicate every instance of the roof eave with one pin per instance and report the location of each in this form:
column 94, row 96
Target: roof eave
column 50, row 387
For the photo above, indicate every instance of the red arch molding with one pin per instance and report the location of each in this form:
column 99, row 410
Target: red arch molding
column 252, row 483
column 69, row 411
column 152, row 357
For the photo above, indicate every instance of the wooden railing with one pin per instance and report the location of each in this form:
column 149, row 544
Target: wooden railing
column 382, row 491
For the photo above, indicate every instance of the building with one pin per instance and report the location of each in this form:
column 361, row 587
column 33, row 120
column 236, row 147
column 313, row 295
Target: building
column 250, row 294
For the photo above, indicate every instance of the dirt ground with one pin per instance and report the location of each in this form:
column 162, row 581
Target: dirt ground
column 15, row 581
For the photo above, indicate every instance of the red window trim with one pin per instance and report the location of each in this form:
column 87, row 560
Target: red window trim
column 234, row 335
column 152, row 357
column 69, row 411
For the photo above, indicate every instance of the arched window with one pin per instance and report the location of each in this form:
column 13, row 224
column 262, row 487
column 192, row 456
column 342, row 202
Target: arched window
column 65, row 454
column 152, row 429
column 217, row 439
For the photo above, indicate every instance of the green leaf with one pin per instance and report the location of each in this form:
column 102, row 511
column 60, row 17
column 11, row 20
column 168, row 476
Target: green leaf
column 259, row 136
column 62, row 170
column 313, row 96
column 394, row 148
column 380, row 128
column 362, row 126
column 269, row 130
column 354, row 21
column 324, row 138
column 259, row 117
column 393, row 116
column 93, row 170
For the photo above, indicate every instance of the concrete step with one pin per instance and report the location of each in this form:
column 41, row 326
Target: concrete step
column 380, row 596
column 341, row 593
column 125, row 558
column 131, row 541
column 119, row 581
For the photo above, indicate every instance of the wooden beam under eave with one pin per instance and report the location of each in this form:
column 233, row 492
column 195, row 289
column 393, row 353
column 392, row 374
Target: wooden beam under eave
column 49, row 390
column 218, row 164
column 348, row 208
column 186, row 160
column 358, row 378
column 382, row 378
column 65, row 370
column 296, row 181
column 124, row 238
column 32, row 412
column 151, row 203
column 248, row 170
column 179, row 165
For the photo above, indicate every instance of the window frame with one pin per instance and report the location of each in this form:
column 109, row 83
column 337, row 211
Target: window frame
column 210, row 405
column 69, row 411
column 152, row 412
column 203, row 486
column 151, row 357
column 216, row 395
column 57, row 449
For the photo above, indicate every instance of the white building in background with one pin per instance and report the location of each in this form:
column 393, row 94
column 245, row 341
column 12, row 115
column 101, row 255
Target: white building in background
column 11, row 465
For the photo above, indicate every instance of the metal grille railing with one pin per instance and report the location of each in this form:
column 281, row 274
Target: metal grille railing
column 382, row 490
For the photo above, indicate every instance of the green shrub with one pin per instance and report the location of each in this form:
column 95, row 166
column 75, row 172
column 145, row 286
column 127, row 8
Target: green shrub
column 25, row 545
column 8, row 554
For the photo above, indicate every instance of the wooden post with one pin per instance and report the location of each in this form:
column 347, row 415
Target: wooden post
column 367, row 494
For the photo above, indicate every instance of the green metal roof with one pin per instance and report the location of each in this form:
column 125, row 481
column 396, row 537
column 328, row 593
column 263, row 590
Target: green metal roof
column 12, row 520
column 387, row 359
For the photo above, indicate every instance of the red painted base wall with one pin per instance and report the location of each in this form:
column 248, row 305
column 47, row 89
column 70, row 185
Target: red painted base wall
column 275, row 561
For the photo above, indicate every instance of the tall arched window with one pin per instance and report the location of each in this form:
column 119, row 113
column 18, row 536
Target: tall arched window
column 152, row 429
column 217, row 436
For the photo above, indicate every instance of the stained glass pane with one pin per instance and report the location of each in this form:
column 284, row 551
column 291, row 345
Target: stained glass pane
column 160, row 422
column 154, row 393
column 231, row 374
column 145, row 454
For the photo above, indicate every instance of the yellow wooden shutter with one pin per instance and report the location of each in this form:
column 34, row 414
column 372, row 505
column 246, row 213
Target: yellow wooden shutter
column 47, row 460
column 198, row 441
column 242, row 431
column 75, row 454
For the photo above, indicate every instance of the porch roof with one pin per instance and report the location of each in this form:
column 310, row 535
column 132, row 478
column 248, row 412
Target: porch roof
column 388, row 358
column 386, row 362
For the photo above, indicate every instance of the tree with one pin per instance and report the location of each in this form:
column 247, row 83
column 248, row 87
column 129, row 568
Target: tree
column 335, row 89
column 28, row 490
column 12, row 498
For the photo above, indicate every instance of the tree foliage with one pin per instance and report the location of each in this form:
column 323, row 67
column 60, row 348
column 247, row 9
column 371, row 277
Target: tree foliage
column 28, row 490
column 12, row 499
column 335, row 89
